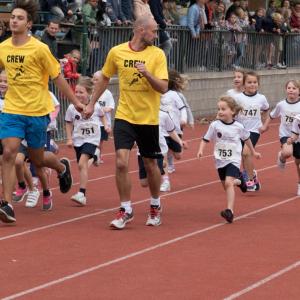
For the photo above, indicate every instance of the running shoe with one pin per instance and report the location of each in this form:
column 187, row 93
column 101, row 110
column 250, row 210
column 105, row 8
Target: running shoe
column 79, row 198
column 20, row 194
column 7, row 214
column 251, row 186
column 122, row 219
column 47, row 202
column 165, row 186
column 32, row 198
column 97, row 159
column 241, row 183
column 65, row 178
column 256, row 181
column 171, row 169
column 227, row 215
column 154, row 217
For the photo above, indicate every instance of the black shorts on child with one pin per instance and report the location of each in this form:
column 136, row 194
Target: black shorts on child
column 104, row 134
column 86, row 148
column 296, row 146
column 142, row 170
column 229, row 170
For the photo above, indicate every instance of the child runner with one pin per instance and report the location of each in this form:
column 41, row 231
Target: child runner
column 238, row 86
column 28, row 64
column 255, row 107
column 294, row 141
column 178, row 112
column 84, row 135
column 107, row 104
column 227, row 135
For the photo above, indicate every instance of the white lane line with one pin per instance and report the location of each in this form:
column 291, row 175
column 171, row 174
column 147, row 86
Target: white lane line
column 140, row 252
column 115, row 208
column 263, row 281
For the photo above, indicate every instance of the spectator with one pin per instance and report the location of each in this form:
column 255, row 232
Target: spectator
column 286, row 11
column 295, row 18
column 141, row 8
column 170, row 12
column 164, row 38
column 115, row 13
column 61, row 9
column 271, row 9
column 232, row 8
column 3, row 33
column 101, row 16
column 49, row 36
column 127, row 9
column 196, row 18
column 89, row 10
column 257, row 19
column 70, row 66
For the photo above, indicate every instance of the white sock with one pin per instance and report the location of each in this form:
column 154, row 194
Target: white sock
column 155, row 201
column 165, row 178
column 127, row 206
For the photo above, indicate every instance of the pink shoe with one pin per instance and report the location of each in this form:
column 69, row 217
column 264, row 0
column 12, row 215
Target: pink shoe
column 20, row 194
column 47, row 202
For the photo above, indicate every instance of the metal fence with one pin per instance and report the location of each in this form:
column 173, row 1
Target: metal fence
column 213, row 51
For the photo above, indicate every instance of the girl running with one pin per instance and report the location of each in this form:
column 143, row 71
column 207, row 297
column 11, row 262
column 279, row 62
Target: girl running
column 254, row 107
column 84, row 135
column 238, row 86
column 227, row 135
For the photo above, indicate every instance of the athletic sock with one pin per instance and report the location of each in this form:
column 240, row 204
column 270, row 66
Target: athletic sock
column 127, row 206
column 22, row 185
column 155, row 202
column 82, row 191
column 46, row 193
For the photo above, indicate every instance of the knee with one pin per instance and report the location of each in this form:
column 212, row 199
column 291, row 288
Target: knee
column 177, row 155
column 121, row 165
column 228, row 184
column 9, row 154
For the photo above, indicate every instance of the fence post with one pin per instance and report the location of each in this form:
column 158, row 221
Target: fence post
column 84, row 49
column 220, row 50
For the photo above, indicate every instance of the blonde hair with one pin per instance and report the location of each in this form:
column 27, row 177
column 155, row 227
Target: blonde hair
column 296, row 83
column 231, row 104
column 87, row 83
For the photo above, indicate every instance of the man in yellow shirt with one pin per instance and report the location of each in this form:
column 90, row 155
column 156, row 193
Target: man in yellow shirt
column 143, row 76
column 28, row 64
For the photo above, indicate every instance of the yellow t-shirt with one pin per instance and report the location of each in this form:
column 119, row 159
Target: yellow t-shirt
column 28, row 68
column 139, row 102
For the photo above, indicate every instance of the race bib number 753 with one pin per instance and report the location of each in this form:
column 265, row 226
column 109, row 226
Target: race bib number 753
column 225, row 151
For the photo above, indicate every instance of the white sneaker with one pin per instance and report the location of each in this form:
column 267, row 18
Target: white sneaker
column 32, row 198
column 121, row 219
column 171, row 169
column 154, row 217
column 280, row 163
column 79, row 198
column 298, row 190
column 35, row 182
column 165, row 186
column 97, row 158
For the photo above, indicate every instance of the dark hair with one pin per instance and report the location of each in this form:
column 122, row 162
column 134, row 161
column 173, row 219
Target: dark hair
column 30, row 6
column 251, row 73
column 176, row 81
column 54, row 21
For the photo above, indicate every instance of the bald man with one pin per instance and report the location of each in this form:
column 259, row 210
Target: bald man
column 143, row 76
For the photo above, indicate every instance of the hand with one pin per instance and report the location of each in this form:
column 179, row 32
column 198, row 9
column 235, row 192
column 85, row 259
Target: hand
column 80, row 107
column 69, row 143
column 289, row 141
column 200, row 154
column 141, row 68
column 89, row 110
column 257, row 155
column 263, row 129
column 185, row 145
column 107, row 129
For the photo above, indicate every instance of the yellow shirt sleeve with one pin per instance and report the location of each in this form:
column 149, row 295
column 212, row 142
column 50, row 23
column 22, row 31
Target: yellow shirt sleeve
column 49, row 62
column 161, row 69
column 109, row 69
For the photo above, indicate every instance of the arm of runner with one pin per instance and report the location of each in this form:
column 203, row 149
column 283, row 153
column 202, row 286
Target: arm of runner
column 69, row 130
column 99, row 89
column 159, row 85
column 201, row 148
column 254, row 153
column 64, row 87
column 265, row 126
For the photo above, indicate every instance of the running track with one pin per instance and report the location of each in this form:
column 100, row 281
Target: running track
column 71, row 253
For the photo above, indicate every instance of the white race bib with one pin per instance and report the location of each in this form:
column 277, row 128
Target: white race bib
column 86, row 130
column 225, row 151
column 289, row 117
column 251, row 111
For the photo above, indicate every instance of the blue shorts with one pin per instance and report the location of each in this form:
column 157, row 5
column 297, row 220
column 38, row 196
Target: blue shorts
column 32, row 129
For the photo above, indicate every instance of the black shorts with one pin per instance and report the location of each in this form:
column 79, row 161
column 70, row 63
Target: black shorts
column 296, row 146
column 173, row 145
column 142, row 170
column 254, row 137
column 104, row 134
column 23, row 150
column 146, row 137
column 86, row 148
column 229, row 170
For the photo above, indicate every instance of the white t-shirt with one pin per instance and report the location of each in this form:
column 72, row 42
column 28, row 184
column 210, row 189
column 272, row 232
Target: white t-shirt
column 286, row 111
column 232, row 93
column 107, row 100
column 1, row 103
column 166, row 125
column 85, row 130
column 53, row 124
column 227, row 139
column 177, row 108
column 252, row 106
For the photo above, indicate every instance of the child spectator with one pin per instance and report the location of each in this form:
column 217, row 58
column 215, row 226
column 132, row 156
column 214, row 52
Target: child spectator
column 89, row 10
